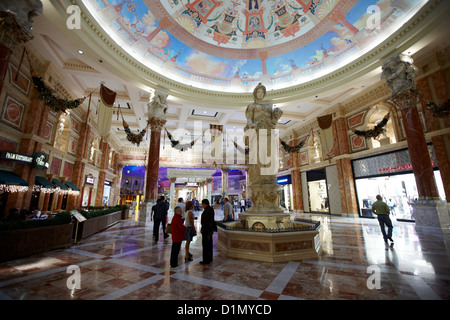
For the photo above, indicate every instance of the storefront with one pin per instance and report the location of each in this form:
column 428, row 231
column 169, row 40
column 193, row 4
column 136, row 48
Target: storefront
column 317, row 191
column 285, row 193
column 389, row 175
column 106, row 193
column 88, row 191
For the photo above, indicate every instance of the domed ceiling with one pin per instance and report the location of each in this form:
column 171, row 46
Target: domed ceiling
column 232, row 45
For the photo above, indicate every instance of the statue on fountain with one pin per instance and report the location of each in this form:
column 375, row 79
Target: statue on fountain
column 263, row 189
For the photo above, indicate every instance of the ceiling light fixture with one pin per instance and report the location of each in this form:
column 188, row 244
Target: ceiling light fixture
column 80, row 51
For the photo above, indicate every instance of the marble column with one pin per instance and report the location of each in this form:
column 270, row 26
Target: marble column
column 346, row 186
column 296, row 180
column 225, row 182
column 13, row 31
column 417, row 145
column 431, row 214
column 209, row 189
column 437, row 81
column 45, row 204
column 151, row 188
column 172, row 192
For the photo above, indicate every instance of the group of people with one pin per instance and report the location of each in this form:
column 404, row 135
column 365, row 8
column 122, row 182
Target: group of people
column 183, row 228
column 14, row 214
column 243, row 204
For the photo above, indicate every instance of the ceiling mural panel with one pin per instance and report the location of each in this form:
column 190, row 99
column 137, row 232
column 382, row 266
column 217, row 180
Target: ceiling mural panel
column 236, row 44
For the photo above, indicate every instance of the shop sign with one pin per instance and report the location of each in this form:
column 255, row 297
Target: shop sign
column 14, row 156
column 38, row 159
column 90, row 179
column 389, row 163
column 284, row 179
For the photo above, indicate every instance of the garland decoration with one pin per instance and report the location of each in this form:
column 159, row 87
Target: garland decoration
column 50, row 100
column 133, row 137
column 442, row 111
column 176, row 144
column 292, row 149
column 376, row 131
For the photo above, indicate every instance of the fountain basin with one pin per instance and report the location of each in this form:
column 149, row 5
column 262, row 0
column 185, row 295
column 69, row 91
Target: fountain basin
column 300, row 240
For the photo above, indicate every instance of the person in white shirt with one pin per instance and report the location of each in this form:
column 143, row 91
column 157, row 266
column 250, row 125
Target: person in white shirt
column 243, row 205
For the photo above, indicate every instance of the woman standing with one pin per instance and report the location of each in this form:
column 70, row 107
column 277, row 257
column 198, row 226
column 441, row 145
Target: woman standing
column 178, row 232
column 190, row 229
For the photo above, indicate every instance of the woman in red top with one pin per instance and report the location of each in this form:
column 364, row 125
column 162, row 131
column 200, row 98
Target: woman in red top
column 178, row 230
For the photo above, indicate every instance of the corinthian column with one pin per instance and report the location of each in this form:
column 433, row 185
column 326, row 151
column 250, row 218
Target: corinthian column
column 417, row 145
column 15, row 28
column 430, row 213
column 157, row 108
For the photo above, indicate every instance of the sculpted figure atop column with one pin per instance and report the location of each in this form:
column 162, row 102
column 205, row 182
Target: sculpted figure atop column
column 261, row 115
column 157, row 109
column 399, row 74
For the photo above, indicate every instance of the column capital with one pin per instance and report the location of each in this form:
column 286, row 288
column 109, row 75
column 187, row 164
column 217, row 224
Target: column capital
column 406, row 99
column 156, row 124
column 173, row 179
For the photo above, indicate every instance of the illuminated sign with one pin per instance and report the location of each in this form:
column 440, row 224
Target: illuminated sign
column 90, row 179
column 38, row 159
column 284, row 179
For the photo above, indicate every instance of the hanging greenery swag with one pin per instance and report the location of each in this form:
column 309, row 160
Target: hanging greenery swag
column 52, row 101
column 442, row 111
column 292, row 149
column 46, row 95
column 184, row 147
column 176, row 144
column 135, row 138
column 376, row 131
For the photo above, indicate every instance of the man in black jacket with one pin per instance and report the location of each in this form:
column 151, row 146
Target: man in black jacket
column 207, row 230
column 160, row 217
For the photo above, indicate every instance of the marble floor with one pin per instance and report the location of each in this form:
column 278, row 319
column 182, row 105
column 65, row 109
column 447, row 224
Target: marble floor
column 123, row 263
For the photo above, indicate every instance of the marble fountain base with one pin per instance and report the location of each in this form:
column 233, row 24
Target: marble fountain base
column 270, row 238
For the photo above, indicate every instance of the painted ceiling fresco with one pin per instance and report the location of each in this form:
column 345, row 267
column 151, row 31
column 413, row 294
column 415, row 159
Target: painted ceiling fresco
column 255, row 28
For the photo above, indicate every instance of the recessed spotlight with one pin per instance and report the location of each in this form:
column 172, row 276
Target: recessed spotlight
column 80, row 51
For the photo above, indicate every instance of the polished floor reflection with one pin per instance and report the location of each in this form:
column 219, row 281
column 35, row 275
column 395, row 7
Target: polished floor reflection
column 124, row 263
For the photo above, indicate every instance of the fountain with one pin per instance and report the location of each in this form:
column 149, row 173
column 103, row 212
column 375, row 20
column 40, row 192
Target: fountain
column 265, row 232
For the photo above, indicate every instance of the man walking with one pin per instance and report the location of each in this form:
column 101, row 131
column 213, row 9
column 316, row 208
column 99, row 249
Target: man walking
column 160, row 217
column 382, row 211
column 208, row 227
column 228, row 214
